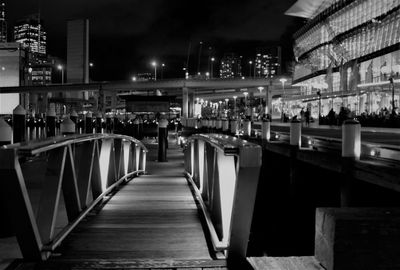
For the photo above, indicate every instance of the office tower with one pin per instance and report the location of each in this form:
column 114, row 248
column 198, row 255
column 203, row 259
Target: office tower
column 78, row 51
column 31, row 34
column 230, row 66
column 268, row 62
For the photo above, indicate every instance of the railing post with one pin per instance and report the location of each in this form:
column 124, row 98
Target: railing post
column 250, row 157
column 19, row 124
column 14, row 195
column 143, row 160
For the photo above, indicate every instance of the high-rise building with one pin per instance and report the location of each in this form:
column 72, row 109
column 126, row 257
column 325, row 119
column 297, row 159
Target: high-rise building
column 78, row 51
column 230, row 66
column 268, row 62
column 3, row 22
column 30, row 32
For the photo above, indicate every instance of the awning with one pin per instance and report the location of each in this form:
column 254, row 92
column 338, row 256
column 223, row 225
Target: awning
column 308, row 8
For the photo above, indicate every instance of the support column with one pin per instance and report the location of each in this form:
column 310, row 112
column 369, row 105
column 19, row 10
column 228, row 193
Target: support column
column 185, row 102
column 191, row 103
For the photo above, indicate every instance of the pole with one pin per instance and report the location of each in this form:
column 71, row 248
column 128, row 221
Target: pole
column 162, row 140
column 393, row 108
column 155, row 72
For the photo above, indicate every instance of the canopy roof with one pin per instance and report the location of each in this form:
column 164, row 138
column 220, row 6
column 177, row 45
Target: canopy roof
column 308, row 8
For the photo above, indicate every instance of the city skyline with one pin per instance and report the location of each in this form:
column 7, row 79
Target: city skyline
column 162, row 32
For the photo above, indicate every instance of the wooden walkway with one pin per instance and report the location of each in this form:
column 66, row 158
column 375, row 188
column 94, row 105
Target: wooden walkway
column 151, row 223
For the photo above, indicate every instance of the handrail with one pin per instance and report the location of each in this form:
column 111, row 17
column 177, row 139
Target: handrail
column 224, row 172
column 77, row 165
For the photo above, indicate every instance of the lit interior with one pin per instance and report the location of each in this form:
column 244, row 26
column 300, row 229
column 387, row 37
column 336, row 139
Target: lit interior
column 105, row 162
column 126, row 145
column 227, row 182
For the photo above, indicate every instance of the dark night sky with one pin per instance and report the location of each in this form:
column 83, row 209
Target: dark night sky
column 125, row 35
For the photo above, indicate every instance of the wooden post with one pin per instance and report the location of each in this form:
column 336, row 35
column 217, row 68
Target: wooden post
column 162, row 142
column 19, row 124
column 99, row 121
column 89, row 123
column 51, row 122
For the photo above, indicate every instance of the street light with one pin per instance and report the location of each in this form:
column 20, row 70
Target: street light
column 212, row 67
column 250, row 62
column 134, row 78
column 154, row 64
column 162, row 70
column 283, row 80
column 60, row 67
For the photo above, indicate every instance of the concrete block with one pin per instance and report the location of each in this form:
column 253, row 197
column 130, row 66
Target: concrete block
column 358, row 238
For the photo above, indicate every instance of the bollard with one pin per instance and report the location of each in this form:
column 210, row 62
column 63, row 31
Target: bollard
column 74, row 117
column 109, row 123
column 246, row 128
column 218, row 125
column 266, row 130
column 233, row 127
column 140, row 134
column 351, row 151
column 295, row 133
column 225, row 126
column 162, row 140
column 19, row 124
column 351, row 139
column 136, row 128
column 99, row 121
column 5, row 132
column 67, row 127
column 89, row 123
column 51, row 122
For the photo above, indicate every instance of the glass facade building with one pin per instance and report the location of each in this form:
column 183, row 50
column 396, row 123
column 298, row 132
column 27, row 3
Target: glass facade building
column 347, row 55
column 31, row 34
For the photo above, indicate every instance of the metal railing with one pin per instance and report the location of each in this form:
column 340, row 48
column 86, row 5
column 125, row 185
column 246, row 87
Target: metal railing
column 224, row 173
column 319, row 143
column 85, row 168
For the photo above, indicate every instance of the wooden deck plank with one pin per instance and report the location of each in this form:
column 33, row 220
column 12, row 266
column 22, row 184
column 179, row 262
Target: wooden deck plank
column 152, row 222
